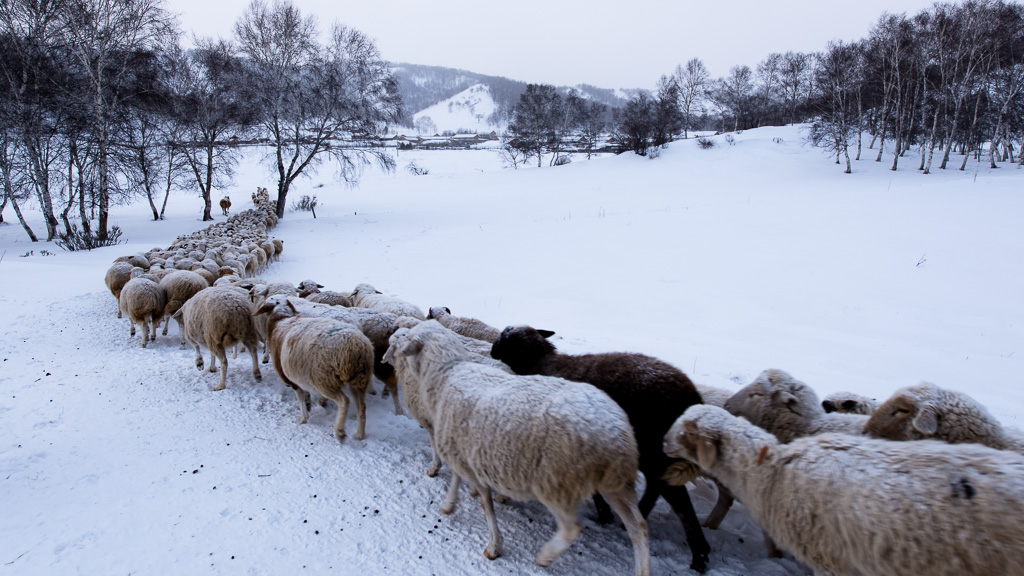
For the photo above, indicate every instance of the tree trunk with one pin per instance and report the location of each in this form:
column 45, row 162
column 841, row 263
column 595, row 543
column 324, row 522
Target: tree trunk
column 931, row 143
column 104, row 183
column 42, row 186
column 208, row 188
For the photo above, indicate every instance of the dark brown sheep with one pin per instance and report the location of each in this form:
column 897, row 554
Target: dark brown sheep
column 653, row 394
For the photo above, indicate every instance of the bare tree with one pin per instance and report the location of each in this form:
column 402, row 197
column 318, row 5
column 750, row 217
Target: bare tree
column 795, row 83
column 733, row 95
column 208, row 105
column 836, row 76
column 106, row 37
column 313, row 97
column 692, row 80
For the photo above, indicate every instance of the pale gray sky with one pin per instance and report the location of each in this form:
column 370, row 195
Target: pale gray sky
column 568, row 42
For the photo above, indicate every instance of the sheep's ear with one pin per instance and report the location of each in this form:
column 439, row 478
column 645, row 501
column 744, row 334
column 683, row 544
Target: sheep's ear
column 785, row 398
column 446, row 310
column 319, row 285
column 927, row 420
column 292, row 306
column 389, row 355
column 707, row 452
column 409, row 347
column 263, row 309
column 546, row 333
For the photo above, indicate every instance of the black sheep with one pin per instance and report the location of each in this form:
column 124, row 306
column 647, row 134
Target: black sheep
column 653, row 394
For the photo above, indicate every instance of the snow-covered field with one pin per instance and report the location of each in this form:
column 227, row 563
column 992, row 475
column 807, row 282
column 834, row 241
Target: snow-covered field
column 120, row 460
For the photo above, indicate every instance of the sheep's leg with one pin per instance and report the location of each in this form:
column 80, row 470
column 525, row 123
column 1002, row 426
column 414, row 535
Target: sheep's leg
column 568, row 531
column 132, row 331
column 604, row 512
column 360, row 397
column 199, row 358
column 167, row 323
column 303, row 397
column 624, row 503
column 255, row 363
column 145, row 331
column 722, row 505
column 679, row 498
column 339, row 421
column 155, row 322
column 494, row 544
column 451, row 499
column 650, row 497
column 118, row 298
column 181, row 333
column 770, row 546
column 391, row 384
column 222, row 356
column 213, row 360
column 266, row 352
column 435, row 464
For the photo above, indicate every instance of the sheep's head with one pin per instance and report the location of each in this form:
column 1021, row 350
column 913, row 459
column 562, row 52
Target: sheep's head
column 364, row 289
column 849, row 403
column 395, row 342
column 703, row 434
column 437, row 311
column 776, row 402
column 522, row 348
column 907, row 415
column 307, row 287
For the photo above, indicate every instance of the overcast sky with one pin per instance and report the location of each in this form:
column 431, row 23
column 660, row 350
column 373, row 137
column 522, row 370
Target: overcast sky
column 626, row 44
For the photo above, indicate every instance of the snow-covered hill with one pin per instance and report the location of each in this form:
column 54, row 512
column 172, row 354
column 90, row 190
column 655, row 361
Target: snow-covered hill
column 467, row 111
column 116, row 459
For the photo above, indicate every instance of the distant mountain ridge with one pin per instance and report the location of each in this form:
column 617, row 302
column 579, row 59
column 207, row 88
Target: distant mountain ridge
column 423, row 87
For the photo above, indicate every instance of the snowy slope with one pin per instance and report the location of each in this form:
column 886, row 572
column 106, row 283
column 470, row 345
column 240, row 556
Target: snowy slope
column 467, row 110
column 117, row 459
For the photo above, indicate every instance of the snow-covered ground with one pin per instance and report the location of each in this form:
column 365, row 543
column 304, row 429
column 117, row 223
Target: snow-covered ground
column 116, row 459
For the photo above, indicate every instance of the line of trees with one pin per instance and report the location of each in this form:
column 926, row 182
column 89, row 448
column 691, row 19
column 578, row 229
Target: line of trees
column 100, row 104
column 947, row 80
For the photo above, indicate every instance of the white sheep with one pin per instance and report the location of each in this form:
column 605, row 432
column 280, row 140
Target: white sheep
column 143, row 300
column 117, row 276
column 531, row 437
column 464, row 325
column 788, row 408
column 218, row 318
column 322, row 355
column 366, row 296
column 855, row 506
column 928, row 411
column 849, row 403
column 180, row 285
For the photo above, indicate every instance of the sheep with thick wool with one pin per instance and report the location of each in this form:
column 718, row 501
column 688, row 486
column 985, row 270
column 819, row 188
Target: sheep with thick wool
column 928, row 411
column 788, row 408
column 180, row 285
column 531, row 437
column 322, row 355
column 366, row 296
column 376, row 325
column 220, row 317
column 117, row 276
column 310, row 290
column 855, row 506
column 849, row 403
column 653, row 394
column 463, row 324
column 143, row 300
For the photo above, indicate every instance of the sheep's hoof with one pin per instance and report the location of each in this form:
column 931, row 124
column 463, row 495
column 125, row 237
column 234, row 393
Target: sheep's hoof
column 433, row 470
column 213, row 368
column 699, row 563
column 199, row 365
column 219, row 387
column 132, row 331
column 257, row 375
column 360, row 436
column 447, row 508
column 322, row 401
column 496, row 552
column 340, row 435
column 303, row 419
column 501, row 498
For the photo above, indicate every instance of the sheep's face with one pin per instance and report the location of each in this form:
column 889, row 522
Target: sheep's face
column 696, row 435
column 847, row 403
column 903, row 417
column 773, row 395
column 438, row 311
column 522, row 348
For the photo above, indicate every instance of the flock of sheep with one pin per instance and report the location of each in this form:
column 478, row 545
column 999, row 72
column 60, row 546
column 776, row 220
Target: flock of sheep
column 836, row 483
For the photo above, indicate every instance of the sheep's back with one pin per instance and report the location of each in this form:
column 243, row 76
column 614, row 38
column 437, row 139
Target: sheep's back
column 859, row 506
column 529, row 436
column 652, row 392
column 323, row 352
